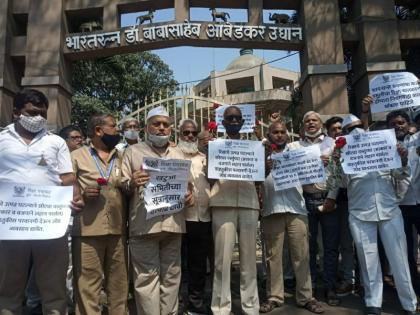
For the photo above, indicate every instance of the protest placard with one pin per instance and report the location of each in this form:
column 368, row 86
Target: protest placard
column 297, row 167
column 370, row 152
column 395, row 90
column 34, row 212
column 165, row 192
column 236, row 160
column 248, row 113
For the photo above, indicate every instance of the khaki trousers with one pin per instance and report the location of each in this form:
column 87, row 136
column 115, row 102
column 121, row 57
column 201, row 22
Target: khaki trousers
column 275, row 227
column 50, row 261
column 100, row 261
column 226, row 223
column 156, row 261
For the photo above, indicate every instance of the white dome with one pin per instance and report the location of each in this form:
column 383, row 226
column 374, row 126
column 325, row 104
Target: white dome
column 245, row 60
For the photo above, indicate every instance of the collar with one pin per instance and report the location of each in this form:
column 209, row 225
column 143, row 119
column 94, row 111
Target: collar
column 113, row 152
column 318, row 139
column 12, row 130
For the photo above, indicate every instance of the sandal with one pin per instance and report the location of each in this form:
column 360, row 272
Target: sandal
column 269, row 306
column 314, row 306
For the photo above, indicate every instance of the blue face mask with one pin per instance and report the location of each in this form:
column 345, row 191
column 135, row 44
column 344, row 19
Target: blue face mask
column 233, row 129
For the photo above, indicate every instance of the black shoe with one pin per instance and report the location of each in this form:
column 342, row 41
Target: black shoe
column 332, row 298
column 370, row 310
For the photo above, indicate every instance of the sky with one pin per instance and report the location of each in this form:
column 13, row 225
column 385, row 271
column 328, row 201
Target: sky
column 196, row 63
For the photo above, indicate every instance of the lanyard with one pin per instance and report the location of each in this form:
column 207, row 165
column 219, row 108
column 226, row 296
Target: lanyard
column 98, row 165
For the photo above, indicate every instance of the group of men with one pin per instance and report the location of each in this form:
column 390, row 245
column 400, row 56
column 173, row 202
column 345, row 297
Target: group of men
column 114, row 243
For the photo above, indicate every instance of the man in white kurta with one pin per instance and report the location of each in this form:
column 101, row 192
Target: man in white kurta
column 373, row 208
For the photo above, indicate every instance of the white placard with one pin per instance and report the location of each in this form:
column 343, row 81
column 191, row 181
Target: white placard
column 165, row 192
column 394, row 90
column 298, row 167
column 236, row 160
column 30, row 212
column 248, row 113
column 370, row 151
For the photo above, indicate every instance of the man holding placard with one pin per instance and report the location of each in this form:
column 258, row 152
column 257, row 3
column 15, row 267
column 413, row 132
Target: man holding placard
column 235, row 208
column 373, row 208
column 320, row 211
column 31, row 154
column 99, row 241
column 155, row 242
column 284, row 214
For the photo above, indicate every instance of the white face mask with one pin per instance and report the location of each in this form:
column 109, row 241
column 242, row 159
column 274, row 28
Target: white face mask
column 33, row 124
column 188, row 147
column 131, row 134
column 158, row 141
column 313, row 135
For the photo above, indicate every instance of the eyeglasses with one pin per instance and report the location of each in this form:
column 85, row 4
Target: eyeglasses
column 186, row 133
column 230, row 118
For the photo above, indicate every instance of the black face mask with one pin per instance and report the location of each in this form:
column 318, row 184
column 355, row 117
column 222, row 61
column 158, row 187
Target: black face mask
column 110, row 141
column 233, row 129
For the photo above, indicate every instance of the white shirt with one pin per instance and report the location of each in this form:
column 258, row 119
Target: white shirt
column 39, row 163
column 409, row 188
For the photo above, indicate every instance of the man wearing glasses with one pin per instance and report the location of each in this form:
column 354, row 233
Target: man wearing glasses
column 198, row 221
column 235, row 209
column 73, row 136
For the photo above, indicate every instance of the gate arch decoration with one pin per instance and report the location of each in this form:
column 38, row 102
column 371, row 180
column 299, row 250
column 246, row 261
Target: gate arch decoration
column 37, row 38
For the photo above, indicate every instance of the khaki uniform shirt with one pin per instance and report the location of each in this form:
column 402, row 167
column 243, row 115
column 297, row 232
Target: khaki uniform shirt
column 138, row 225
column 199, row 212
column 104, row 215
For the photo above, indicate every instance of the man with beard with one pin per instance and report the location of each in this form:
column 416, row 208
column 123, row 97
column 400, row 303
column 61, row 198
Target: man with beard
column 235, row 209
column 320, row 211
column 155, row 243
column 99, row 241
column 29, row 154
column 198, row 220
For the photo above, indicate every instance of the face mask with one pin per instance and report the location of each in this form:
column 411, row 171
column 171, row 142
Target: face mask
column 188, row 147
column 33, row 124
column 158, row 141
column 313, row 135
column 233, row 129
column 131, row 134
column 110, row 141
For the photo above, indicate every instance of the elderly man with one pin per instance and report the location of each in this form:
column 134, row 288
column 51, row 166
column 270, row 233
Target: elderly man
column 315, row 196
column 155, row 243
column 99, row 243
column 284, row 214
column 373, row 208
column 130, row 128
column 30, row 154
column 235, row 209
column 198, row 219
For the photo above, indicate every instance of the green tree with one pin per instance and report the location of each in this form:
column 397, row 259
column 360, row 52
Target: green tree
column 118, row 84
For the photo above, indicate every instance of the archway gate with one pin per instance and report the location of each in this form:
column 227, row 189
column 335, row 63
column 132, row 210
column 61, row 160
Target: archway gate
column 37, row 42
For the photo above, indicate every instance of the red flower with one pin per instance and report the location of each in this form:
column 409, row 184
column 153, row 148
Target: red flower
column 102, row 181
column 340, row 142
column 212, row 126
column 274, row 146
column 216, row 106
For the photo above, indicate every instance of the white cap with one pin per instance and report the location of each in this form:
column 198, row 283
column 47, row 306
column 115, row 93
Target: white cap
column 157, row 111
column 350, row 121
